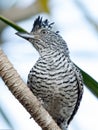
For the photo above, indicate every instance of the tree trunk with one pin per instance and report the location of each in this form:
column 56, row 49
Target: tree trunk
column 24, row 95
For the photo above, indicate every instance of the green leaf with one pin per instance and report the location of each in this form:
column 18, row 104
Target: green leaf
column 12, row 24
column 90, row 83
column 88, row 80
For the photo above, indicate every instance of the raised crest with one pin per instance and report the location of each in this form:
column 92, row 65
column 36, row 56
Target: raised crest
column 39, row 23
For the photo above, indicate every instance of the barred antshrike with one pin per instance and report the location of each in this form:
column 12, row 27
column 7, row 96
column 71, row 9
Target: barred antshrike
column 54, row 79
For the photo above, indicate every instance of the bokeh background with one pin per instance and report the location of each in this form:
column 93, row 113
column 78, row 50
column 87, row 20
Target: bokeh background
column 77, row 21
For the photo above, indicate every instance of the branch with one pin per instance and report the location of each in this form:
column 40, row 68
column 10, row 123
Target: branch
column 24, row 95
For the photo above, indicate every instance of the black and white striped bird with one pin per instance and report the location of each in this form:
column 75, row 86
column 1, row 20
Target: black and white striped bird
column 54, row 79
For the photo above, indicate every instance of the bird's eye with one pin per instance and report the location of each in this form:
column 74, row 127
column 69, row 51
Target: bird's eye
column 43, row 31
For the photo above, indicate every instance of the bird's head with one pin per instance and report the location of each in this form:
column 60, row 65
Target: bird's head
column 44, row 38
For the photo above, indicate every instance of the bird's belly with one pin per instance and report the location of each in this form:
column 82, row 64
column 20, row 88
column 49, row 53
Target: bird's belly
column 57, row 89
column 58, row 99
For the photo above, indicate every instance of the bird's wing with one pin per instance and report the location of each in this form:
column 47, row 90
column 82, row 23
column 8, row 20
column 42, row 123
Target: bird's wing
column 80, row 92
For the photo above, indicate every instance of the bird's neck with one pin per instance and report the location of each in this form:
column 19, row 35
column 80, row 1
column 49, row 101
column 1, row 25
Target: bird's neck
column 49, row 52
column 52, row 57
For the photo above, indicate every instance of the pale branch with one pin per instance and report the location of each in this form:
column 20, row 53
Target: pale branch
column 24, row 95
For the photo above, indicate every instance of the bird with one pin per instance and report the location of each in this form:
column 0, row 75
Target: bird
column 54, row 79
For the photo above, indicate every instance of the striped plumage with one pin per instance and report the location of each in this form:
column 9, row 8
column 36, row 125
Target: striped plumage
column 54, row 79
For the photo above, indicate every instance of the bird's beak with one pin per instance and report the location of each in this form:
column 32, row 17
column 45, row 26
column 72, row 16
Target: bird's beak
column 25, row 35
